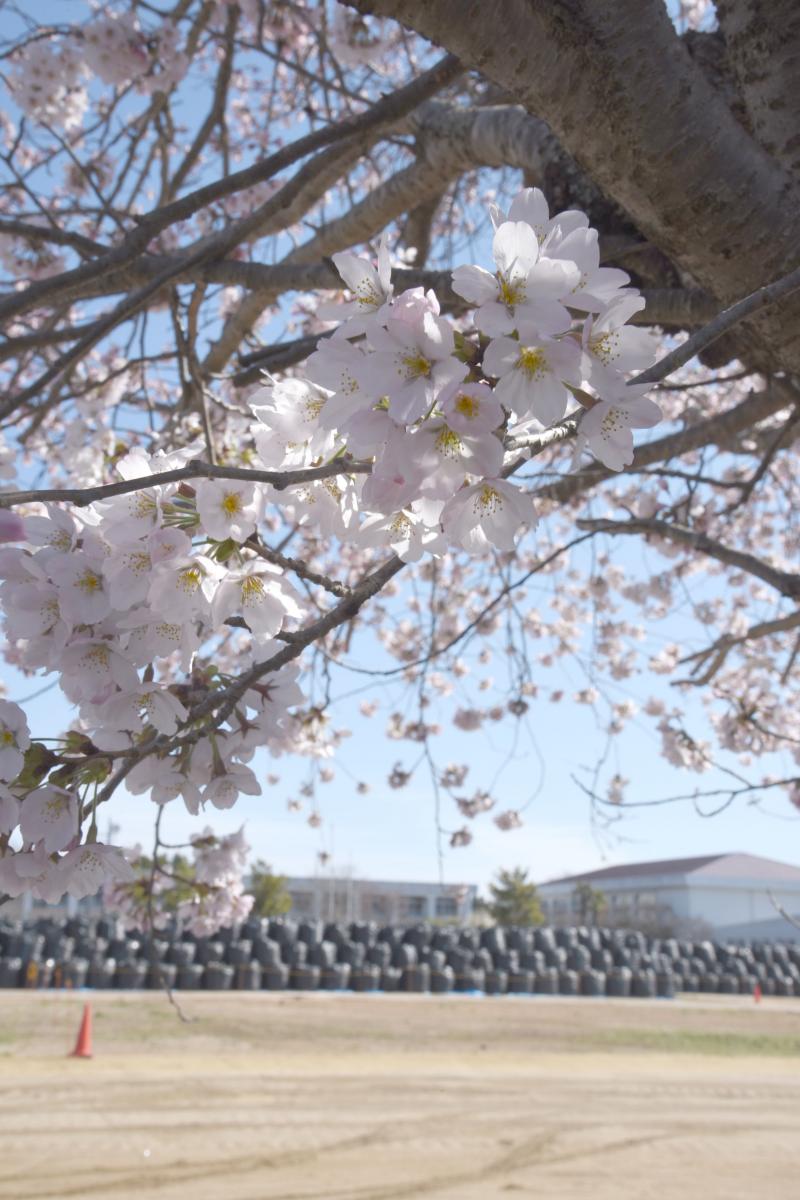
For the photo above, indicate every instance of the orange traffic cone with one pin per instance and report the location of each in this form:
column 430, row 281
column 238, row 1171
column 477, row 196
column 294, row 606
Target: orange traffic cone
column 83, row 1046
column 757, row 993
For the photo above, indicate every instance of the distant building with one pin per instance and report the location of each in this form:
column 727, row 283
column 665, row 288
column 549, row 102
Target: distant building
column 727, row 893
column 330, row 898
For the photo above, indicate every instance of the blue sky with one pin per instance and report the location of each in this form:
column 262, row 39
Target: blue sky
column 391, row 834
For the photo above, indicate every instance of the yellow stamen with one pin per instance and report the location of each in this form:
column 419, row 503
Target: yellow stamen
column 448, row 443
column 488, row 500
column 416, row 366
column 231, row 504
column 612, row 422
column 531, row 361
column 189, row 580
column 605, row 347
column 400, row 525
column 467, row 406
column 252, row 590
column 89, row 582
column 511, row 291
column 367, row 294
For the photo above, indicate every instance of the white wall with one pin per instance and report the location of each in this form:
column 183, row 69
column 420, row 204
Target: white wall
column 720, row 903
column 736, row 905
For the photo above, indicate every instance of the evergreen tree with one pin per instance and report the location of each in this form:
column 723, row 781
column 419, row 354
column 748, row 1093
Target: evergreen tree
column 514, row 900
column 271, row 898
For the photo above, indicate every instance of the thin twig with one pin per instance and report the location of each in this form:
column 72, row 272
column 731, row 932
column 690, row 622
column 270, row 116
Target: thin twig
column 81, row 497
column 729, row 317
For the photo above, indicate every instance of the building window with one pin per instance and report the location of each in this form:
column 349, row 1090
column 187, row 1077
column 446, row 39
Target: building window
column 378, row 907
column 414, row 906
column 302, row 903
column 446, row 906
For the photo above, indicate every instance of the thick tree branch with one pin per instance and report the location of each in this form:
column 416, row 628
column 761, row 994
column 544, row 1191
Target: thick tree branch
column 785, row 582
column 625, row 98
column 383, row 113
column 762, row 43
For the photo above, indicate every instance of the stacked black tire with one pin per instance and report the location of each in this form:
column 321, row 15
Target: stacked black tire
column 272, row 955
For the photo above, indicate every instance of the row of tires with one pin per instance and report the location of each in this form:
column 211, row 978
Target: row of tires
column 268, row 952
column 703, row 960
column 251, row 976
column 279, row 953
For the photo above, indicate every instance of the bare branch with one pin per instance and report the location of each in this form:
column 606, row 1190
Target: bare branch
column 785, row 582
column 81, row 497
column 718, row 652
column 758, row 300
column 780, row 909
column 383, row 112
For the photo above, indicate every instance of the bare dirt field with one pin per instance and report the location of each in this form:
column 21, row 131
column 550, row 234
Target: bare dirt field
column 293, row 1097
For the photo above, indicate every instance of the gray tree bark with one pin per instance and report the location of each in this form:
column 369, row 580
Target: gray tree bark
column 625, row 97
column 762, row 40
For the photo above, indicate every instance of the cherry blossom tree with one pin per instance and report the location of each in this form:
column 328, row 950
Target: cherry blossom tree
column 330, row 330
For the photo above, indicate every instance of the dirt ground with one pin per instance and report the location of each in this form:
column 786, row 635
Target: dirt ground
column 293, row 1097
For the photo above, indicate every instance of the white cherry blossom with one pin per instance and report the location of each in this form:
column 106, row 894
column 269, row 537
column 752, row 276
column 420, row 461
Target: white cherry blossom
column 371, row 288
column 228, row 508
column 528, row 291
column 411, row 362
column 261, row 595
column 147, row 704
column 49, row 815
column 85, row 869
column 183, row 588
column 532, row 379
column 83, row 592
column 606, row 428
column 614, row 348
column 93, row 669
column 486, row 514
column 14, row 739
column 470, row 408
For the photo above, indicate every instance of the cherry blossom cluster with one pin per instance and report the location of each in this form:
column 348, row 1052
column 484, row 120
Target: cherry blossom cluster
column 137, row 600
column 52, row 859
column 438, row 414
column 118, row 601
column 204, row 893
column 49, row 77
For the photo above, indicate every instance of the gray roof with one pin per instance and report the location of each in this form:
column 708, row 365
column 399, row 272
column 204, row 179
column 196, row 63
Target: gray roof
column 709, row 865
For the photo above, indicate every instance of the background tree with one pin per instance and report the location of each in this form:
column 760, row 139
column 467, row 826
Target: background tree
column 207, row 563
column 514, row 900
column 270, row 897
